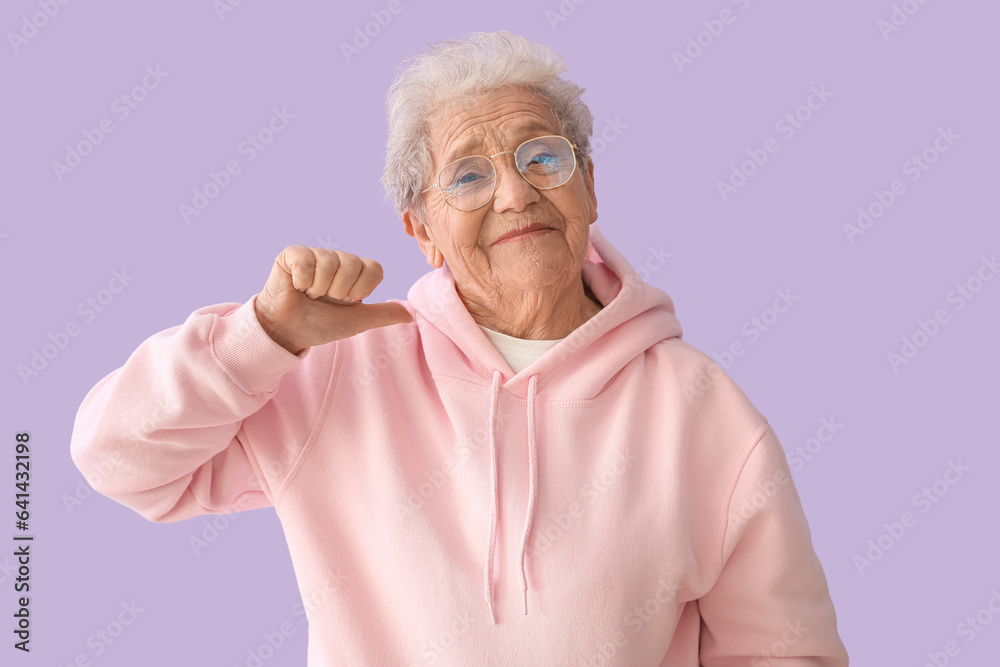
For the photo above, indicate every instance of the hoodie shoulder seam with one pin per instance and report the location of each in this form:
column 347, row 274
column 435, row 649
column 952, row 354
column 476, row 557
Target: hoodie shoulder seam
column 307, row 447
column 755, row 439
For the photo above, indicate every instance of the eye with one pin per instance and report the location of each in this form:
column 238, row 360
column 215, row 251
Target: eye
column 468, row 179
column 543, row 163
column 543, row 159
column 465, row 179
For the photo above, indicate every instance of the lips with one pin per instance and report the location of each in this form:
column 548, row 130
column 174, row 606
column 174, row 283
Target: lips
column 523, row 230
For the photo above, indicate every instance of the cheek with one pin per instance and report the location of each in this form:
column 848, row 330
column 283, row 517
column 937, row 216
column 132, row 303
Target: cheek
column 451, row 231
column 574, row 205
column 439, row 226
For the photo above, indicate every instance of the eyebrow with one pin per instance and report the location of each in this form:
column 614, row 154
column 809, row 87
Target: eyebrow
column 465, row 147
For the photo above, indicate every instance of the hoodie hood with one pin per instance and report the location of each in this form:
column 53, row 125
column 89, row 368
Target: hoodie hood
column 635, row 317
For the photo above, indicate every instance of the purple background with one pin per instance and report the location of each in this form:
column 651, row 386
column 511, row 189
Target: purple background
column 680, row 132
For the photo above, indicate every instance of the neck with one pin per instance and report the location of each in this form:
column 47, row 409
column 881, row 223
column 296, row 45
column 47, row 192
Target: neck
column 545, row 314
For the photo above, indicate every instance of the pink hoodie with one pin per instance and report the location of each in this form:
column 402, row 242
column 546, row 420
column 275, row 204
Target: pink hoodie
column 618, row 502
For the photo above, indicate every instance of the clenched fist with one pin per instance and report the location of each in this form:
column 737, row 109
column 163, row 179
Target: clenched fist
column 313, row 296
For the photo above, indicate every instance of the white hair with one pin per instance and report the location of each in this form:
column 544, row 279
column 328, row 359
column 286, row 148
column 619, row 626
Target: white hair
column 478, row 63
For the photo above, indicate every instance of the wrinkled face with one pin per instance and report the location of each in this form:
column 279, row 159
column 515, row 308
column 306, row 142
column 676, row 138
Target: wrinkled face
column 467, row 240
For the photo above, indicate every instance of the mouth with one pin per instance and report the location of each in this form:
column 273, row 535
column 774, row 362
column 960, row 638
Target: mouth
column 534, row 229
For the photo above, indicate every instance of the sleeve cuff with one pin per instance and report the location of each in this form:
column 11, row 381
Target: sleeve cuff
column 252, row 359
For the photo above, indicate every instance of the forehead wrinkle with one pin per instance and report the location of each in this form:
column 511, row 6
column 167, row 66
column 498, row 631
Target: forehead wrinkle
column 467, row 146
column 477, row 126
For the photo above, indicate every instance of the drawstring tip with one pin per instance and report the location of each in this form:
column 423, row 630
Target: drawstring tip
column 525, row 603
column 493, row 614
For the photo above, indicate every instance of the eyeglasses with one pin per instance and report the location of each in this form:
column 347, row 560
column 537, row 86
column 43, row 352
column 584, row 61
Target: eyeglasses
column 469, row 182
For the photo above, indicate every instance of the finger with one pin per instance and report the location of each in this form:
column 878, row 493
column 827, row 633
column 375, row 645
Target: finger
column 373, row 315
column 328, row 263
column 351, row 267
column 299, row 262
column 370, row 277
column 278, row 281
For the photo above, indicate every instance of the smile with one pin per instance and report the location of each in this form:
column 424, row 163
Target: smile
column 524, row 235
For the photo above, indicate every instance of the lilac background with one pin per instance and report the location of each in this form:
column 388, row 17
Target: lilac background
column 680, row 133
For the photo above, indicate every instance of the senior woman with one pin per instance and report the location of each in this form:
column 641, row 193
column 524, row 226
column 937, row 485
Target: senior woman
column 520, row 464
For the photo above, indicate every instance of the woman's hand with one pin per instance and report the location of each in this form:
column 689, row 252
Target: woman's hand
column 313, row 296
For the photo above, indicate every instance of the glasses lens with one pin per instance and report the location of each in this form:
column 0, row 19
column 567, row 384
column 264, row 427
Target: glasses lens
column 468, row 183
column 546, row 162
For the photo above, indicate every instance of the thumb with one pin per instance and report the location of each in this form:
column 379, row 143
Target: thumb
column 382, row 315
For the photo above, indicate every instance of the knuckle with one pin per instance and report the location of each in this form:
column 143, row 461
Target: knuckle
column 328, row 261
column 347, row 262
column 305, row 260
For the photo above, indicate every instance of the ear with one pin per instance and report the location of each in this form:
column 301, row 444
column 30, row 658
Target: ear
column 588, row 180
column 418, row 230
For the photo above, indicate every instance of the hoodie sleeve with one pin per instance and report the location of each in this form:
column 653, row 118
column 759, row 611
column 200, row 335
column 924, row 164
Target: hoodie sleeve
column 771, row 604
column 168, row 434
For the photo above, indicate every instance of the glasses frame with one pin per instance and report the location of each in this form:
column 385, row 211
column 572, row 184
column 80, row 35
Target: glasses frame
column 496, row 174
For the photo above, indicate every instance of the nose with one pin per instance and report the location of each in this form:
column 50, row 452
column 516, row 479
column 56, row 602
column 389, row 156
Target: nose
column 512, row 191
